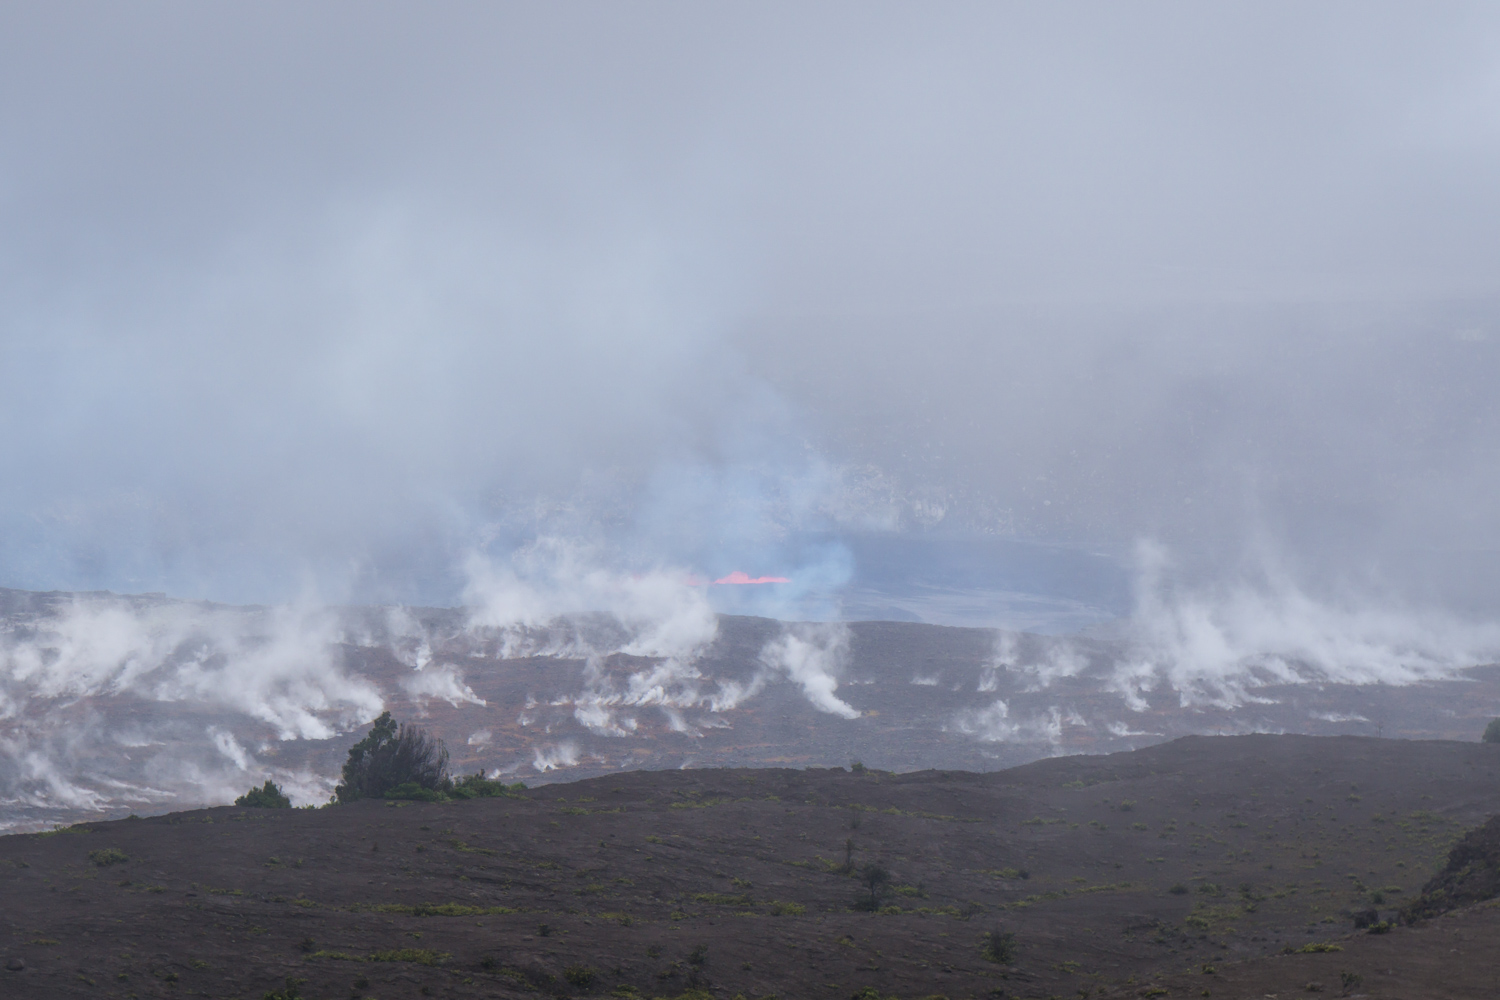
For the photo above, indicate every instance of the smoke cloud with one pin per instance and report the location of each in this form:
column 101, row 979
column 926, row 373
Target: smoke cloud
column 553, row 314
column 299, row 306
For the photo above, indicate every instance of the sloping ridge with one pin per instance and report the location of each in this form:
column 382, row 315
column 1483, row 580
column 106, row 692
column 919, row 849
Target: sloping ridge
column 1472, row 875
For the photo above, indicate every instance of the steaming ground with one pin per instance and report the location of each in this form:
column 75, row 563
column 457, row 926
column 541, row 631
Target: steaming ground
column 111, row 705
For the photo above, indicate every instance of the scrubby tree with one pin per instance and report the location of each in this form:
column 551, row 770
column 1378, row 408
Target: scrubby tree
column 875, row 880
column 999, row 946
column 268, row 796
column 391, row 757
column 1492, row 732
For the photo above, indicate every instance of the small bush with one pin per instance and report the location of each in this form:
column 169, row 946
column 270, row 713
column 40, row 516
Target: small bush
column 107, row 856
column 1178, row 890
column 1314, row 948
column 418, row 956
column 999, row 946
column 477, row 786
column 268, row 796
column 288, row 992
column 581, row 976
column 1492, row 732
column 410, row 791
column 722, row 899
column 780, row 909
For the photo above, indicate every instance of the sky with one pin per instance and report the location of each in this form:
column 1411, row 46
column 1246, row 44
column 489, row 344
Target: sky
column 904, row 301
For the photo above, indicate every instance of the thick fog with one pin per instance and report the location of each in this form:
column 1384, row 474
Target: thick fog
column 1174, row 324
column 1140, row 307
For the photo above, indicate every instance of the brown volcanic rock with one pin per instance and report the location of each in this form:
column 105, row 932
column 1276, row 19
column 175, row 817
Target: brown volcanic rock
column 1114, row 873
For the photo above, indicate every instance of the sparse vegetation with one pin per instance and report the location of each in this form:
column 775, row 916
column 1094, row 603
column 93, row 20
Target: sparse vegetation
column 716, row 876
column 417, row 956
column 108, row 856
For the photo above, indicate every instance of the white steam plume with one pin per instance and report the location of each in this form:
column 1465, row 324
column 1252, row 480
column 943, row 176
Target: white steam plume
column 275, row 665
column 993, row 724
column 554, row 598
column 439, row 684
column 555, row 758
column 813, row 656
column 82, row 681
column 1216, row 647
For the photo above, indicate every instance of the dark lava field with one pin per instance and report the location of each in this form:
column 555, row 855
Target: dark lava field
column 1208, row 866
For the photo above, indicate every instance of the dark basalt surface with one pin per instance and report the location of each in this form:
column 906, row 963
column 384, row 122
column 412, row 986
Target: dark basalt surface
column 1119, row 875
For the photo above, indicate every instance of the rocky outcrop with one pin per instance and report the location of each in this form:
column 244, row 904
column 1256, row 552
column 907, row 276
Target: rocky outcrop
column 1472, row 875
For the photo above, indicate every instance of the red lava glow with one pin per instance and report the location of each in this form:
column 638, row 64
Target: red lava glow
column 741, row 577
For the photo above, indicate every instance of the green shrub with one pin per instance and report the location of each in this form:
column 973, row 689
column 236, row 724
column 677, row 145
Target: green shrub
column 780, row 909
column 1492, row 732
column 581, row 976
column 723, row 899
column 288, row 992
column 477, row 786
column 268, row 796
column 418, row 956
column 104, row 857
column 410, row 791
column 999, row 946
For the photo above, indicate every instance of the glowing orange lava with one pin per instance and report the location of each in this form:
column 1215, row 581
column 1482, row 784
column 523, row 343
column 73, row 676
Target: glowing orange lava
column 741, row 577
